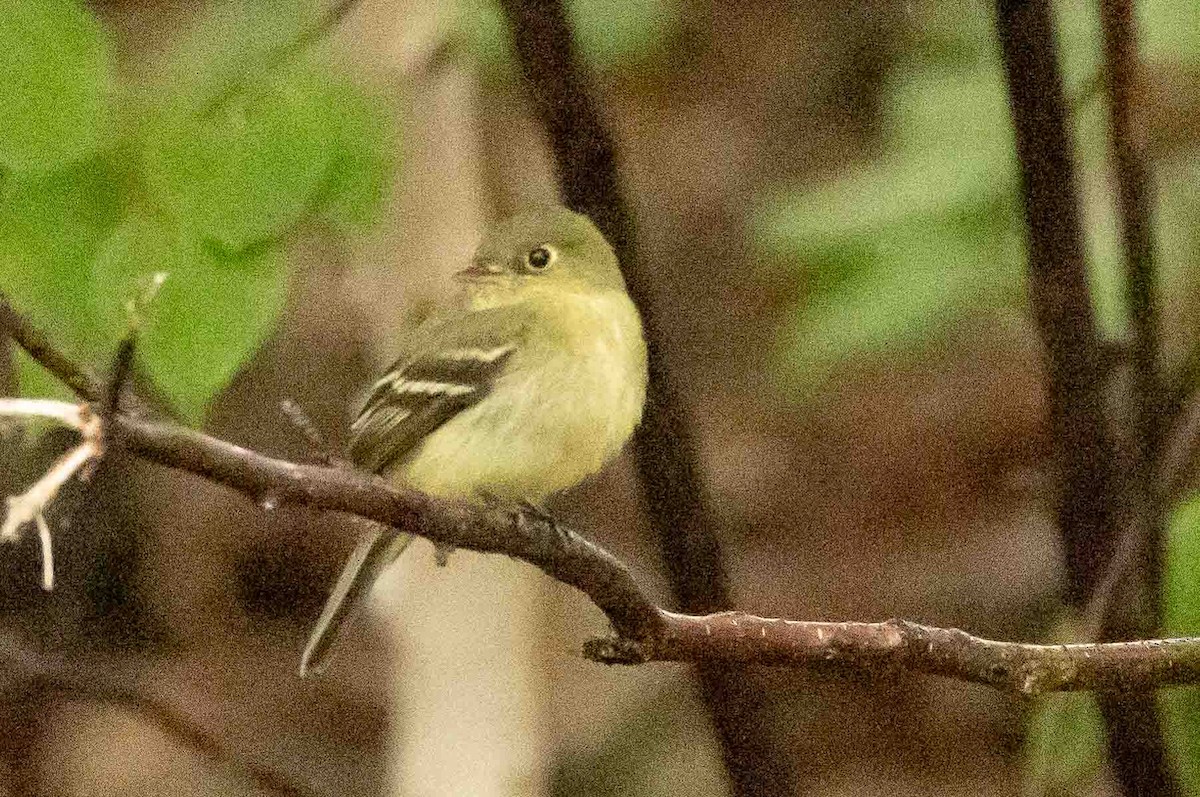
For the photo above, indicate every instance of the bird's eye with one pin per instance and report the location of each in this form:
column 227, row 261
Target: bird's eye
column 539, row 259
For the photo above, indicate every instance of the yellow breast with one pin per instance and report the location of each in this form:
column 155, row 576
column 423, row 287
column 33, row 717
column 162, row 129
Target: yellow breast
column 568, row 402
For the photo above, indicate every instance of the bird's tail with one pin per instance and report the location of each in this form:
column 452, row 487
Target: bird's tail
column 377, row 548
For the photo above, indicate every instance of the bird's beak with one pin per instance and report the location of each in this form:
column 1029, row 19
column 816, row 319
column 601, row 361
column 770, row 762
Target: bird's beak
column 481, row 269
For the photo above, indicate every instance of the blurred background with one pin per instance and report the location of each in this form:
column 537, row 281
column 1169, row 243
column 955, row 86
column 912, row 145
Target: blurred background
column 827, row 206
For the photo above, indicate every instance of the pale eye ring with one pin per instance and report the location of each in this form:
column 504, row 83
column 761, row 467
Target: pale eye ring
column 540, row 258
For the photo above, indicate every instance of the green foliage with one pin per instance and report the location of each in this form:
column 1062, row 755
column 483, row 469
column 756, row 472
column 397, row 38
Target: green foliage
column 624, row 33
column 1170, row 31
column 245, row 135
column 209, row 313
column 1181, row 610
column 1064, row 747
column 50, row 227
column 894, row 252
column 248, row 172
column 55, row 80
column 899, row 249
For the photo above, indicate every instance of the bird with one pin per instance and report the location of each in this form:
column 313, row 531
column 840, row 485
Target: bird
column 531, row 382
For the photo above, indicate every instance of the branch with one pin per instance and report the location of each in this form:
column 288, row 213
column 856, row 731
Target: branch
column 585, row 160
column 645, row 632
column 81, row 381
column 899, row 644
column 1134, row 206
column 29, row 508
column 1137, row 745
column 1058, row 292
column 649, row 633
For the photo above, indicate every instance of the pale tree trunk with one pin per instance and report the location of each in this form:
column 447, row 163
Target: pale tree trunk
column 466, row 686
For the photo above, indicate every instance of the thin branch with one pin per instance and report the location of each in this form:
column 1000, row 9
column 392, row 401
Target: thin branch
column 645, row 632
column 1137, row 746
column 898, row 644
column 491, row 528
column 585, row 160
column 1135, row 211
column 1058, row 292
column 82, row 382
column 29, row 508
column 1181, row 451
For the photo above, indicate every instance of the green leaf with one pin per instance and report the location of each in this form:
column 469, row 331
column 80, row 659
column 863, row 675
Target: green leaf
column 51, row 226
column 608, row 34
column 950, row 151
column 55, row 78
column 231, row 46
column 484, row 30
column 1065, row 751
column 364, row 139
column 209, row 316
column 898, row 250
column 249, row 173
column 1169, row 31
column 895, row 289
column 35, row 381
column 960, row 110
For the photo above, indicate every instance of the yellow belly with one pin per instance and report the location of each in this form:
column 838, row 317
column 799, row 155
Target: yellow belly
column 544, row 429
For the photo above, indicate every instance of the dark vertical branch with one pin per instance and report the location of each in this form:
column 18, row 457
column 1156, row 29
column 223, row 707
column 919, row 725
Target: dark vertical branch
column 664, row 448
column 1147, row 400
column 1135, row 737
column 1134, row 206
column 1094, row 502
column 1058, row 291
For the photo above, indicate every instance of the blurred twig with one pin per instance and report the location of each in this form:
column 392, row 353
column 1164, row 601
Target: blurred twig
column 1097, row 501
column 1062, row 307
column 646, row 632
column 82, row 382
column 1181, row 450
column 664, row 446
column 1135, row 211
column 35, row 680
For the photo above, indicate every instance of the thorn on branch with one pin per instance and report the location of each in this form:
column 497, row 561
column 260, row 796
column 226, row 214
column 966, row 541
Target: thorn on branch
column 308, row 428
column 122, row 368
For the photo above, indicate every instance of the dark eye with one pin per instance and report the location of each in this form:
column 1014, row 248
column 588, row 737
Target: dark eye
column 540, row 259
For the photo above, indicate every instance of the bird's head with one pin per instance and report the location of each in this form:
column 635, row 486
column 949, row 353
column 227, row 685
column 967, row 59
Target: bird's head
column 540, row 252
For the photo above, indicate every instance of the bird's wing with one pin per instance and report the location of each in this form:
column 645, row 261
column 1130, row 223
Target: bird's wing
column 451, row 365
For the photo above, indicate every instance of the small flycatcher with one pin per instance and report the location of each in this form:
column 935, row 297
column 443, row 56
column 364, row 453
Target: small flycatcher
column 532, row 384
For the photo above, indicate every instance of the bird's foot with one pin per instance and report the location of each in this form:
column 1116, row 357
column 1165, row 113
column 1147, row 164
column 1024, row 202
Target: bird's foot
column 541, row 515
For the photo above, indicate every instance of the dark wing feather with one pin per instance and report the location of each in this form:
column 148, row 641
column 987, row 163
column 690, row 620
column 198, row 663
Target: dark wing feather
column 452, row 367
